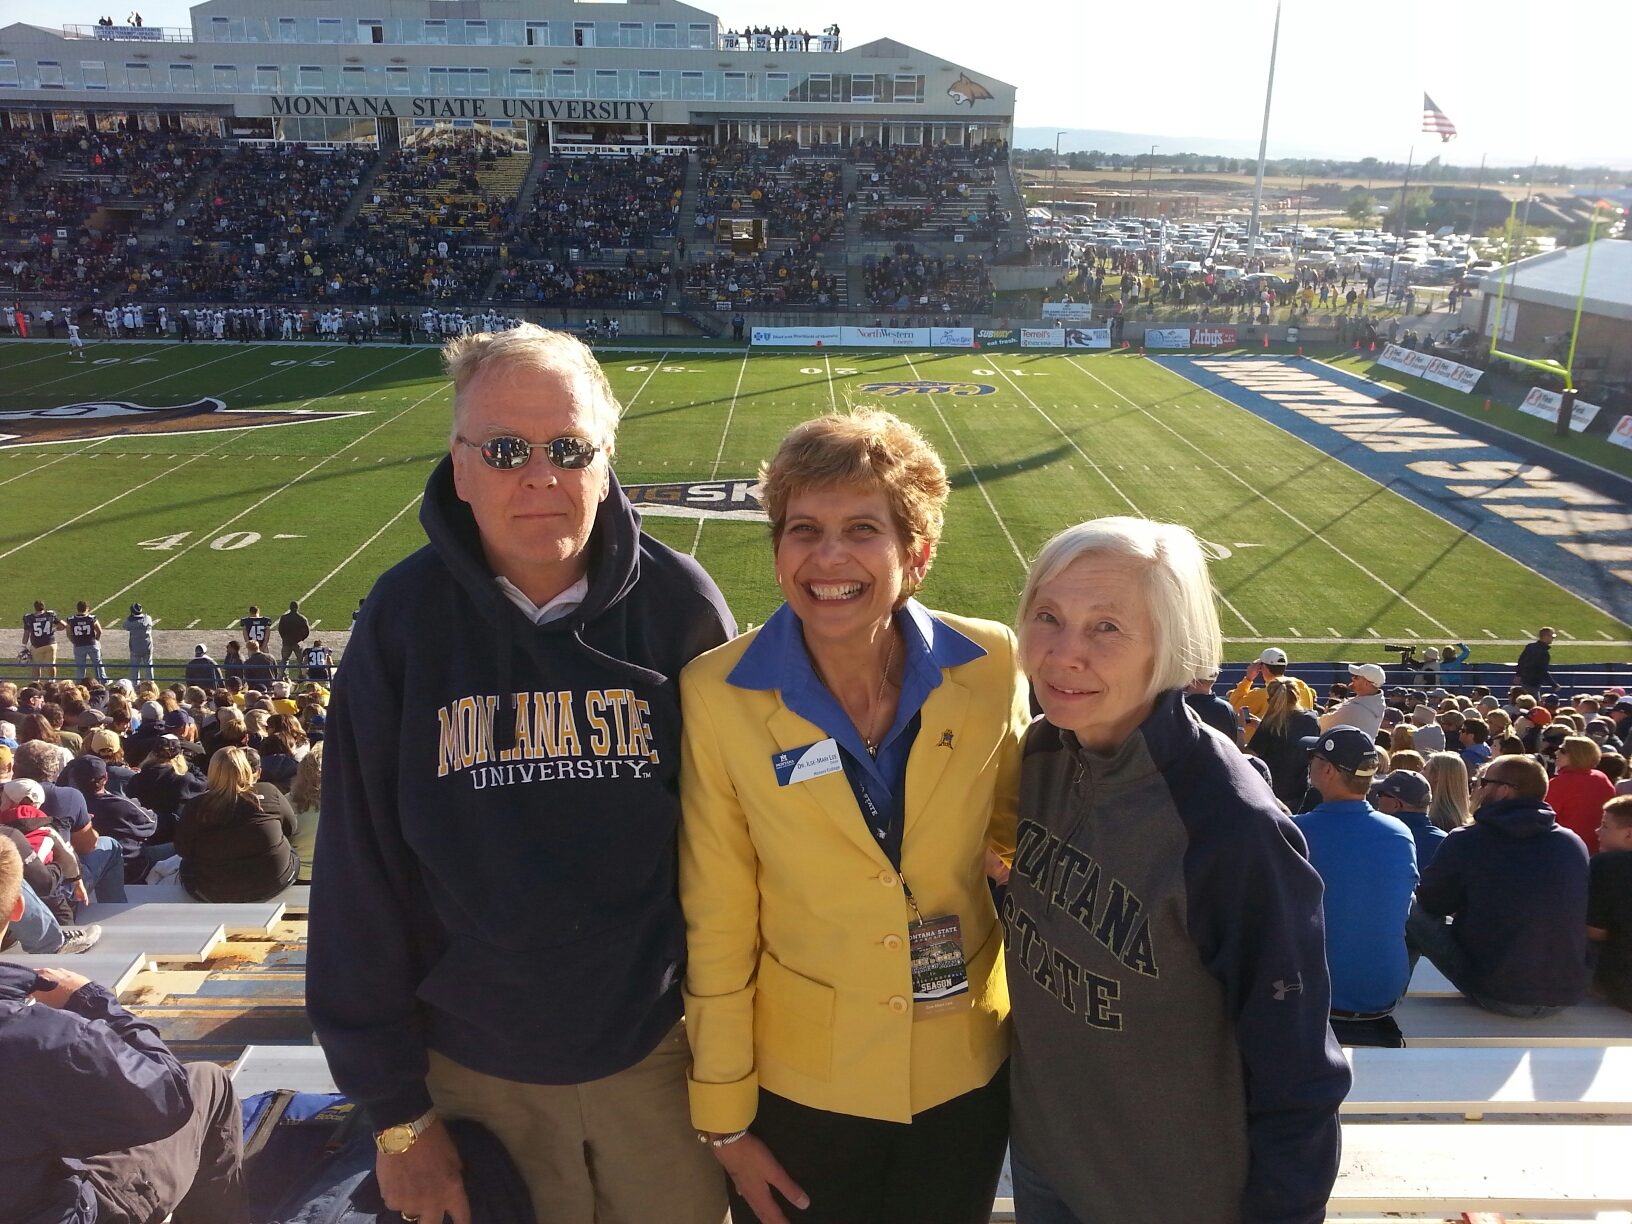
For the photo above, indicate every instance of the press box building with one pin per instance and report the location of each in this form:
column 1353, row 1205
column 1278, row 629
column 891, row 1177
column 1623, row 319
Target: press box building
column 595, row 76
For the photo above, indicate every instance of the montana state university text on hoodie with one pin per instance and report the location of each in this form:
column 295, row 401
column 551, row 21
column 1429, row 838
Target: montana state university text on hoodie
column 496, row 860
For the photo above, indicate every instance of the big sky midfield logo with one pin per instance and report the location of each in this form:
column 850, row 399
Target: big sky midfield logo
column 95, row 419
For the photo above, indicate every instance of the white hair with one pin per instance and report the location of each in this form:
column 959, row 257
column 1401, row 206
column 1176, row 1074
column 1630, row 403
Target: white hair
column 23, row 790
column 531, row 347
column 1177, row 588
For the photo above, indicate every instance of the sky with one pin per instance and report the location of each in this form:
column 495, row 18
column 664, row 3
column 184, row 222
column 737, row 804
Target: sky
column 1519, row 81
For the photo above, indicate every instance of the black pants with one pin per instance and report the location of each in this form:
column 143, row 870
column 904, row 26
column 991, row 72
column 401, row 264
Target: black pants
column 942, row 1168
column 197, row 1173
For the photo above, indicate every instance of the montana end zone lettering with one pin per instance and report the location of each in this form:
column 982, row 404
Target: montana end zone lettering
column 604, row 733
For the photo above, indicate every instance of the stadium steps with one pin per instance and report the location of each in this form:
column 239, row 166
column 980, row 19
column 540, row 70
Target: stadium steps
column 342, row 223
column 527, row 193
column 690, row 191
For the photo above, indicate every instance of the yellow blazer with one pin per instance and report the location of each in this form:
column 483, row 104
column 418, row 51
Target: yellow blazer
column 796, row 924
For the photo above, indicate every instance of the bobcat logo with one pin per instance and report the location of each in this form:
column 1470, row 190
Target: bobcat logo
column 964, row 90
column 121, row 418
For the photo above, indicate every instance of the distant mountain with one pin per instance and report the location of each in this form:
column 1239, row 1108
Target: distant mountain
column 1080, row 140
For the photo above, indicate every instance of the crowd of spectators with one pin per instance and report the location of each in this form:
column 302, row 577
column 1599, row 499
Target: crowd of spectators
column 280, row 193
column 910, row 281
column 801, row 200
column 793, row 276
column 587, row 203
column 548, row 282
column 1490, row 834
column 133, row 783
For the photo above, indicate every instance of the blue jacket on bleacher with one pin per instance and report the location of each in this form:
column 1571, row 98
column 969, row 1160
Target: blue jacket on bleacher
column 75, row 1082
column 496, row 872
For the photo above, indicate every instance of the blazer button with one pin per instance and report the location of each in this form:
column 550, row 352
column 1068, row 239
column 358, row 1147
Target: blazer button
column 887, row 878
column 897, row 1004
column 892, row 942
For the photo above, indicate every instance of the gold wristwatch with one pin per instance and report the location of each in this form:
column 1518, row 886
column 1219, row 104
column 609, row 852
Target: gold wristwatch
column 395, row 1140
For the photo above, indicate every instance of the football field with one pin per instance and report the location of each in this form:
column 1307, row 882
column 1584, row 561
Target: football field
column 121, row 481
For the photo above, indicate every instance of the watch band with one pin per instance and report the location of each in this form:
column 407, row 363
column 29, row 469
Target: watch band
column 395, row 1140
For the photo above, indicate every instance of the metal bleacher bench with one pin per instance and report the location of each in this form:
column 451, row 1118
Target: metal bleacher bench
column 1434, row 1013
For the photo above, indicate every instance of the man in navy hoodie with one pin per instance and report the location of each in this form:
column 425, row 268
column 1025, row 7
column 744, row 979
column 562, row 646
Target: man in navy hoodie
column 100, row 1121
column 495, row 929
column 1515, row 883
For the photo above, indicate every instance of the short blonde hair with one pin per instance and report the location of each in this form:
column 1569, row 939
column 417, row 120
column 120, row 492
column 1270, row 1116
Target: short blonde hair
column 535, row 348
column 867, row 449
column 1179, row 591
column 1582, row 753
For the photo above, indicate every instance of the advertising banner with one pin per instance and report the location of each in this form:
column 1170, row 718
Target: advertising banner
column 1544, row 404
column 1452, row 374
column 1621, row 435
column 1069, row 312
column 1167, row 337
column 886, row 337
column 1088, row 337
column 997, row 337
column 1042, row 337
column 802, row 337
column 951, row 337
column 1213, row 337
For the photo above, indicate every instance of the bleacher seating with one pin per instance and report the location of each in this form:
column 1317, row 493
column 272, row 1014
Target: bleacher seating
column 801, row 199
column 592, row 203
column 280, row 192
column 63, row 181
column 918, row 283
column 930, row 192
column 790, row 277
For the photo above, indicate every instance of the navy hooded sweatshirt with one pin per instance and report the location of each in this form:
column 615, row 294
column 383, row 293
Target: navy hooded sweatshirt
column 495, row 872
column 79, row 1081
column 1515, row 881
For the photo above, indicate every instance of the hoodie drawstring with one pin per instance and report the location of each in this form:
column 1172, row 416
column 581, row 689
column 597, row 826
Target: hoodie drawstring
column 504, row 720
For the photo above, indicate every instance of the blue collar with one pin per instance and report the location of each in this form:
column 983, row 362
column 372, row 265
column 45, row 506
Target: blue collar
column 776, row 659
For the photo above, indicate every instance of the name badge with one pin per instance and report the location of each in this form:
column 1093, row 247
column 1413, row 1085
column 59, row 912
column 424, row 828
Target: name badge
column 802, row 764
column 940, row 980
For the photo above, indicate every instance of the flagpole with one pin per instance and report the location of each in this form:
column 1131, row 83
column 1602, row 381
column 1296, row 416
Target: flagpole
column 1263, row 141
column 1477, row 192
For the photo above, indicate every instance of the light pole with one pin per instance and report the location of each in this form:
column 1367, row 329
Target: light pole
column 1263, row 141
column 1054, row 203
column 1150, row 173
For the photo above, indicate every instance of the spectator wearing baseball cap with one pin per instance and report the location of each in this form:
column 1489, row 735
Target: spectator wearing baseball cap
column 1405, row 795
column 1515, row 881
column 1365, row 708
column 1271, row 665
column 1368, row 863
column 106, row 744
column 1427, row 736
column 203, row 670
column 121, row 818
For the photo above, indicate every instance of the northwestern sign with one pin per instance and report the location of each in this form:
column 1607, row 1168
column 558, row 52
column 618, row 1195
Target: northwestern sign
column 463, row 108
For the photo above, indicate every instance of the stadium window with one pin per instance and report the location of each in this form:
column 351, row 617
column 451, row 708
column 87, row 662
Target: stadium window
column 648, row 83
column 309, row 78
column 665, row 34
column 776, row 87
column 328, row 29
column 266, row 78
column 691, row 85
column 8, row 74
column 563, row 83
column 370, row 30
column 583, row 33
column 538, row 33
column 631, row 34
column 396, row 81
column 606, row 83
column 353, row 79
column 138, row 77
column 700, row 34
column 820, row 87
column 524, row 83
column 286, row 29
column 182, row 79
column 93, row 74
column 437, row 82
column 910, row 133
column 909, row 88
column 221, row 29
column 480, row 83
column 477, row 35
column 436, row 31
column 226, row 77
column 50, row 73
column 861, row 87
column 736, row 87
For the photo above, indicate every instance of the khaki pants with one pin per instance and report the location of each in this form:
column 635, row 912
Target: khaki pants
column 45, row 661
column 619, row 1150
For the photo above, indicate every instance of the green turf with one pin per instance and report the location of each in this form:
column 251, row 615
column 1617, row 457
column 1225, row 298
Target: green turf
column 1315, row 550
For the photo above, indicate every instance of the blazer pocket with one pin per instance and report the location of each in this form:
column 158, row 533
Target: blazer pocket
column 793, row 1019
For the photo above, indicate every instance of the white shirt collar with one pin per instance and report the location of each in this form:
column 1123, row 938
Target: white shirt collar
column 563, row 604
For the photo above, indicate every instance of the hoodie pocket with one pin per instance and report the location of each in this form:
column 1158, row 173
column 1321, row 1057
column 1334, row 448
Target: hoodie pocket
column 793, row 1019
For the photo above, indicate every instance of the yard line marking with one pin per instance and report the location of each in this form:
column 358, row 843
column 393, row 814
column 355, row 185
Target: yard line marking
column 832, row 399
column 719, row 455
column 1224, row 599
column 1375, row 634
column 648, row 379
column 1489, row 634
column 1413, row 633
column 389, row 523
column 190, row 623
column 1293, row 631
column 1269, row 501
column 161, row 378
column 974, row 475
column 317, row 622
column 1331, row 631
column 213, row 533
column 1601, row 634
column 1563, row 634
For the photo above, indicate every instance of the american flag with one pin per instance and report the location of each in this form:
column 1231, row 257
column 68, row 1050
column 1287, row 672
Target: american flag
column 1436, row 121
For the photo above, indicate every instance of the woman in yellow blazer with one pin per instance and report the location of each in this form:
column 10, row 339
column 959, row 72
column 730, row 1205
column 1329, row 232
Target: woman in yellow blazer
column 849, row 775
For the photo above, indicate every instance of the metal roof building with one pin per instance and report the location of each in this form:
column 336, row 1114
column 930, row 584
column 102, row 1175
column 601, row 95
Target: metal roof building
column 1538, row 307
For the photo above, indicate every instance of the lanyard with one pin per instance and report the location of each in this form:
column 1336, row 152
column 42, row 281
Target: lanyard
column 887, row 827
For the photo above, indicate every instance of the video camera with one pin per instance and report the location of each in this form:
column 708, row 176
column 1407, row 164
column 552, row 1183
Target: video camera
column 1408, row 655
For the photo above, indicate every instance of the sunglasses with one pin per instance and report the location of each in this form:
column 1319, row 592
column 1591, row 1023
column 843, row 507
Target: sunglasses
column 506, row 453
column 1484, row 781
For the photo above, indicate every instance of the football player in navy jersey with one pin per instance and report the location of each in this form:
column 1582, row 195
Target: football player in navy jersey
column 40, row 632
column 85, row 635
column 257, row 628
